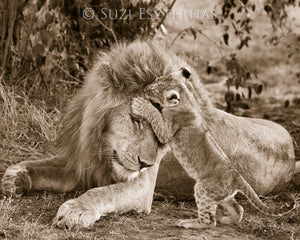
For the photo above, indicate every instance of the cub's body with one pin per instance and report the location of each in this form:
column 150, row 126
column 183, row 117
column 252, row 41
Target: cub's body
column 177, row 119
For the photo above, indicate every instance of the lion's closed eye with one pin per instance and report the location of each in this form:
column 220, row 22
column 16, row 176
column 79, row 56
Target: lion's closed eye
column 156, row 105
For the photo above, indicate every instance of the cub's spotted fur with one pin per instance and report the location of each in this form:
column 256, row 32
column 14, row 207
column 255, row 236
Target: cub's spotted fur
column 172, row 108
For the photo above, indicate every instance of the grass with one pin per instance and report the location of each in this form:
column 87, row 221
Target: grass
column 25, row 128
column 17, row 112
column 28, row 129
column 31, row 216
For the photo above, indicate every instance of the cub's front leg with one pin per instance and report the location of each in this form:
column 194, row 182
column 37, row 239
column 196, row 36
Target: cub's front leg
column 143, row 108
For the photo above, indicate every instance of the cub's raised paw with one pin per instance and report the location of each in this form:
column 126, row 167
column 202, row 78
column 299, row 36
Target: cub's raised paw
column 73, row 213
column 194, row 224
column 138, row 105
column 16, row 181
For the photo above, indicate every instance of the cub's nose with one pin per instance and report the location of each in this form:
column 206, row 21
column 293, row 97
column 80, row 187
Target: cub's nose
column 143, row 164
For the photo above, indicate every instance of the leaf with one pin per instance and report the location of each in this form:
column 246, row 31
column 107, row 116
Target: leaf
column 229, row 108
column 241, row 44
column 38, row 50
column 209, row 70
column 47, row 38
column 249, row 92
column 258, row 88
column 226, row 28
column 267, row 8
column 246, row 40
column 52, row 45
column 225, row 38
column 286, row 103
column 248, row 75
column 229, row 82
column 193, row 32
column 229, row 96
column 48, row 18
column 237, row 83
column 296, row 101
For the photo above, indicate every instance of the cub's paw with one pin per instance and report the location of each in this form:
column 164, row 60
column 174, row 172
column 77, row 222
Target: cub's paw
column 138, row 106
column 74, row 213
column 16, row 181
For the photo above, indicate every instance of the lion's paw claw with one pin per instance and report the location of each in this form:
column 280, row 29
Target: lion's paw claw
column 73, row 213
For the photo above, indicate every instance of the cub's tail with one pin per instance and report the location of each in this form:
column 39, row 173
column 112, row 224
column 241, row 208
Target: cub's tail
column 244, row 187
column 253, row 198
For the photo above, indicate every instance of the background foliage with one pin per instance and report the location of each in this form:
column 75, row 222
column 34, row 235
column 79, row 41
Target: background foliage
column 236, row 20
column 46, row 46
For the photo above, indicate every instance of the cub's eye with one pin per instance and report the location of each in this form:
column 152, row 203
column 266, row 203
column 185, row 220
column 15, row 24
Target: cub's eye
column 172, row 97
column 185, row 72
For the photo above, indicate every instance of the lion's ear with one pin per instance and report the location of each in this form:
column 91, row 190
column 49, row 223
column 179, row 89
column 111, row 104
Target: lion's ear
column 111, row 74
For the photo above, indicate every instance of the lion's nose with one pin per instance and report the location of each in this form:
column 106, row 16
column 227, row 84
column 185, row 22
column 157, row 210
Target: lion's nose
column 143, row 164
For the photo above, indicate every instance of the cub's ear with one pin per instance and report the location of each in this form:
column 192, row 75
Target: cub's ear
column 186, row 72
column 111, row 74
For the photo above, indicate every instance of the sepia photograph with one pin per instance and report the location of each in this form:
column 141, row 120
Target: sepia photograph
column 150, row 119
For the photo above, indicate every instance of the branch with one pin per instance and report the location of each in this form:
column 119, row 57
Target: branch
column 110, row 29
column 200, row 32
column 163, row 19
column 178, row 34
column 214, row 42
column 65, row 72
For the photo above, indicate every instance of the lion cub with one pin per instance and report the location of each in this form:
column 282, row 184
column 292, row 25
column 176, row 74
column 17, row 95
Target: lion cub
column 177, row 118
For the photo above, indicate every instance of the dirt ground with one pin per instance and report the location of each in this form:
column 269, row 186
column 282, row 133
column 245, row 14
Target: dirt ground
column 31, row 216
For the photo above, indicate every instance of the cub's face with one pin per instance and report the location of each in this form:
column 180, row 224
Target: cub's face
column 173, row 90
column 131, row 143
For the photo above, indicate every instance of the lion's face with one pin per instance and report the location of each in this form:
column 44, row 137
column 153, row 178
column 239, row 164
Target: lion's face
column 130, row 143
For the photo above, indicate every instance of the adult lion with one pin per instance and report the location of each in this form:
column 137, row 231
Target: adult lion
column 102, row 147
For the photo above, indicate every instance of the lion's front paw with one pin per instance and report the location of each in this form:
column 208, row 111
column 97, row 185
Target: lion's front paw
column 138, row 106
column 195, row 224
column 16, row 181
column 74, row 213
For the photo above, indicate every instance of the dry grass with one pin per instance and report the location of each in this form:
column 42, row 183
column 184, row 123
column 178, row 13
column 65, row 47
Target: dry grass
column 25, row 128
column 20, row 117
column 30, row 218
